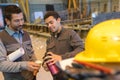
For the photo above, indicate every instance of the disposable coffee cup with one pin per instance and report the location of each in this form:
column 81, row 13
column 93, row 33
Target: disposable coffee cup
column 38, row 62
column 36, row 71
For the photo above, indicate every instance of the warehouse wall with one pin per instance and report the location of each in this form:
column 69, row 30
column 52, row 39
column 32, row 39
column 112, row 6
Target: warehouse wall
column 40, row 6
column 61, row 5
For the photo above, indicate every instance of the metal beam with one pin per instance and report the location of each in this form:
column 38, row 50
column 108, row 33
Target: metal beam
column 69, row 4
column 72, row 2
column 25, row 7
column 27, row 10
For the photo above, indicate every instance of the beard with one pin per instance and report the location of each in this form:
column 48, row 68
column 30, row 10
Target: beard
column 19, row 28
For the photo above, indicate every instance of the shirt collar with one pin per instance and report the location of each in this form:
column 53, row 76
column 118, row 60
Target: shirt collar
column 11, row 32
column 58, row 34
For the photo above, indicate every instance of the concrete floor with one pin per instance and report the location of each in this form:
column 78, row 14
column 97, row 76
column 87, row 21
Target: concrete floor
column 39, row 45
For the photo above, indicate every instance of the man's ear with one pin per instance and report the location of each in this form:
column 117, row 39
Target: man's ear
column 59, row 19
column 7, row 21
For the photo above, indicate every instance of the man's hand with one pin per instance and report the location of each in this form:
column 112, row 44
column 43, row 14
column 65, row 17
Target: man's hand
column 52, row 58
column 31, row 66
column 45, row 67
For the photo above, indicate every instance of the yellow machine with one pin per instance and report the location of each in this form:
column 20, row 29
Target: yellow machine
column 102, row 43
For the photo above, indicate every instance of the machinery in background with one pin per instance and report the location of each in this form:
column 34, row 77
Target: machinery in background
column 37, row 21
column 24, row 4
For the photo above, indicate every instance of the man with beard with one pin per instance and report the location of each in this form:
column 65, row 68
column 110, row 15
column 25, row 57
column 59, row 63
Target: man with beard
column 16, row 42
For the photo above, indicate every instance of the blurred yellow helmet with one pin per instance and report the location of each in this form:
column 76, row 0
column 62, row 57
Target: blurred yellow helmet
column 102, row 43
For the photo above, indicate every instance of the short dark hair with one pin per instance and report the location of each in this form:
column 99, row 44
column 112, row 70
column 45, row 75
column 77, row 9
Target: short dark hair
column 51, row 13
column 11, row 9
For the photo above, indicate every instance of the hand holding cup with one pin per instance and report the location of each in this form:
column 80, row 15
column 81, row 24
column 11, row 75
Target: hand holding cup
column 36, row 71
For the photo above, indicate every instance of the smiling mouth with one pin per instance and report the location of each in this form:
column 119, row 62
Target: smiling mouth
column 51, row 29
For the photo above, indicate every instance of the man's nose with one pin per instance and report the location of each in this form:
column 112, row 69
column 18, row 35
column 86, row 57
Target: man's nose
column 21, row 22
column 49, row 25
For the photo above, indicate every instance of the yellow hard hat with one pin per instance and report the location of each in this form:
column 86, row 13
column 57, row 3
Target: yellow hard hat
column 102, row 43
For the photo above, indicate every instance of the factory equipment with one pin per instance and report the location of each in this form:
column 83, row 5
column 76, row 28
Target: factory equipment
column 25, row 6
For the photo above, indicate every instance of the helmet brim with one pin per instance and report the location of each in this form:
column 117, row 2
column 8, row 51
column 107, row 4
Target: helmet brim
column 83, row 57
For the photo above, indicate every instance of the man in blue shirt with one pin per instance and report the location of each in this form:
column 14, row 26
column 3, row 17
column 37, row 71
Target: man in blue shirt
column 12, row 39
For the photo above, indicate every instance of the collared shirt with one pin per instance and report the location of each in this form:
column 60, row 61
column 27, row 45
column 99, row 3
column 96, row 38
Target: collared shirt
column 67, row 43
column 17, row 35
column 10, row 68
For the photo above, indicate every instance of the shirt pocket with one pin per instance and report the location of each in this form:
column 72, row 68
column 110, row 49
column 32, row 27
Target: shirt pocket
column 28, row 47
column 28, row 51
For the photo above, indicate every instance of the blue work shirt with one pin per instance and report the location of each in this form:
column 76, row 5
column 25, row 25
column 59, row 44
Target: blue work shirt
column 17, row 35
